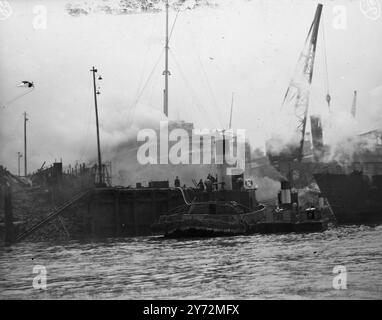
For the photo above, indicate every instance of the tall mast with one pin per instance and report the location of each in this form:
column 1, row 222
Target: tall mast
column 166, row 72
column 25, row 144
column 230, row 116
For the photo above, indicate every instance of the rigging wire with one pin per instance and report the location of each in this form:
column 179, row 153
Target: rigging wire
column 328, row 98
column 173, row 25
column 140, row 89
column 131, row 113
column 211, row 93
column 144, row 60
column 192, row 91
column 152, row 89
column 17, row 97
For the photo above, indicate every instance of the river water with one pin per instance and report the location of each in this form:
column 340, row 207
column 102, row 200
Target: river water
column 287, row 266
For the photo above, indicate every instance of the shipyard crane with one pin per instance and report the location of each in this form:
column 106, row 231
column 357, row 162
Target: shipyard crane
column 298, row 91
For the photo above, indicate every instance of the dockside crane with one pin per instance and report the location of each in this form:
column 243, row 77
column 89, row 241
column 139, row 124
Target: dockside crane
column 299, row 88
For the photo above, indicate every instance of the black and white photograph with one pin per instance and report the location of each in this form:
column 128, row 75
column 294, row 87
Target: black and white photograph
column 190, row 150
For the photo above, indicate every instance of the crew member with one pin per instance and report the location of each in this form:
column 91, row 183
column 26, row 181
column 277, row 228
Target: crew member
column 177, row 182
column 208, row 184
column 201, row 185
column 240, row 183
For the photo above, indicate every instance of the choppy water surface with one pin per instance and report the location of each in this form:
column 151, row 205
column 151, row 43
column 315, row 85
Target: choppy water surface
column 295, row 266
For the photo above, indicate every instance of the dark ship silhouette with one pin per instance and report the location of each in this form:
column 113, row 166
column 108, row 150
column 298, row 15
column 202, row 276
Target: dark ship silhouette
column 355, row 198
column 356, row 195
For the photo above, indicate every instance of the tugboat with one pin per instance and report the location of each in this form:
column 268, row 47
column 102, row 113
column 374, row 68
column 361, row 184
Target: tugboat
column 289, row 217
column 229, row 218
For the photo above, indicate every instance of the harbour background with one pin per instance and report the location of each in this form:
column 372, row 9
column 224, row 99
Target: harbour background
column 274, row 266
column 278, row 266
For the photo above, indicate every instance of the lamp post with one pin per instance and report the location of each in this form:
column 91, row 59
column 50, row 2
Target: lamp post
column 96, row 92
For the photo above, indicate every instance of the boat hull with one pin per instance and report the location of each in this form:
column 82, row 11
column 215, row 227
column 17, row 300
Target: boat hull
column 200, row 233
column 207, row 225
column 354, row 198
column 191, row 225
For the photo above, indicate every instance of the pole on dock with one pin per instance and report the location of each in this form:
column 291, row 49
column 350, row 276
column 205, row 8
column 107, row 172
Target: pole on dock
column 230, row 115
column 25, row 144
column 166, row 72
column 19, row 156
column 94, row 71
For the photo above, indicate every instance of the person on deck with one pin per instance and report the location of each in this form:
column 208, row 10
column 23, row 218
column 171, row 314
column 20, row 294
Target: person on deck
column 213, row 181
column 240, row 183
column 177, row 182
column 208, row 184
column 201, row 185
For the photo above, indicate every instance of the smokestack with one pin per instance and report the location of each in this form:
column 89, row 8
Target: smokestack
column 221, row 145
column 286, row 197
column 321, row 202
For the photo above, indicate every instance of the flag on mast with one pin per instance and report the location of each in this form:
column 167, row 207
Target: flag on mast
column 26, row 84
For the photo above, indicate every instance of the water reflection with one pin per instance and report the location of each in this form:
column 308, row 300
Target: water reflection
column 294, row 266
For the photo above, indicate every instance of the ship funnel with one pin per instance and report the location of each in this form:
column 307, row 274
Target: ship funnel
column 286, row 197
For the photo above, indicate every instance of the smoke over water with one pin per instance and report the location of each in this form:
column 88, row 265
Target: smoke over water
column 210, row 38
column 341, row 130
column 120, row 146
column 119, row 142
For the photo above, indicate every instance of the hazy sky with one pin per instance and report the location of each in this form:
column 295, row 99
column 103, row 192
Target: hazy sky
column 246, row 47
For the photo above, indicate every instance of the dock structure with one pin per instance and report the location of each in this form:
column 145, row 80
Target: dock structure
column 132, row 211
column 55, row 213
column 124, row 212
